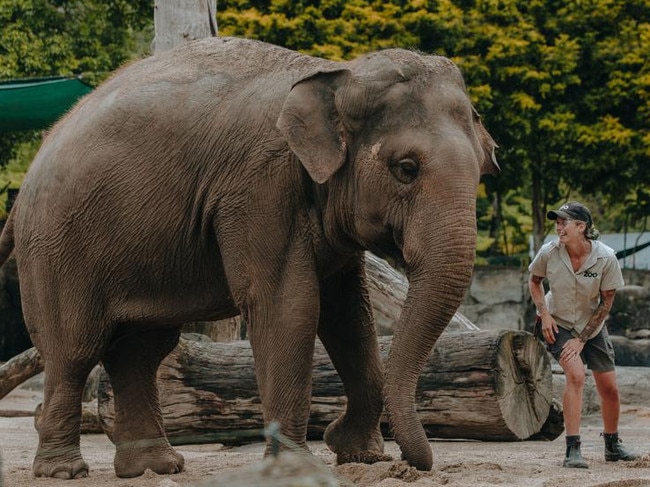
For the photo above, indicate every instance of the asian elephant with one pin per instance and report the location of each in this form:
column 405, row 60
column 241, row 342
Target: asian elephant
column 232, row 176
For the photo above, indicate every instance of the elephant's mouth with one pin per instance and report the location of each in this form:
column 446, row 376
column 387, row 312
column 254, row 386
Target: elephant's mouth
column 390, row 247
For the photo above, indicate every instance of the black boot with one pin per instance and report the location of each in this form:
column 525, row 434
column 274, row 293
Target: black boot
column 573, row 458
column 614, row 449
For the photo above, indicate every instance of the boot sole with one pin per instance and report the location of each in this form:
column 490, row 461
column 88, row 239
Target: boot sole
column 579, row 465
column 619, row 459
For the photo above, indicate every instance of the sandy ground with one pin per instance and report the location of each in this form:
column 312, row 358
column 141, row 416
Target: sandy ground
column 456, row 463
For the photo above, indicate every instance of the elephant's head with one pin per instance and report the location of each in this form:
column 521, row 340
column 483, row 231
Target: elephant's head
column 401, row 150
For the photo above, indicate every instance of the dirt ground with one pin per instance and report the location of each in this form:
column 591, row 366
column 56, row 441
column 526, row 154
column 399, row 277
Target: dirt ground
column 456, row 463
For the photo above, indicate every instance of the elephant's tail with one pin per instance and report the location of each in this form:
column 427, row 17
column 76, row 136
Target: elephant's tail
column 7, row 239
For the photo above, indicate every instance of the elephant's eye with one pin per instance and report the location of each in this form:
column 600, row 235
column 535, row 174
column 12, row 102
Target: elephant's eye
column 405, row 170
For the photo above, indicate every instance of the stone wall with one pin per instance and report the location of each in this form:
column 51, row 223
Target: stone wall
column 498, row 298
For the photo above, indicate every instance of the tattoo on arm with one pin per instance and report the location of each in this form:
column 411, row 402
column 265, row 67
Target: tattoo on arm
column 537, row 293
column 606, row 301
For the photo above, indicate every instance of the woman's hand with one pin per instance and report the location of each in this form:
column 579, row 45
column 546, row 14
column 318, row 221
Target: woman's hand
column 572, row 349
column 549, row 328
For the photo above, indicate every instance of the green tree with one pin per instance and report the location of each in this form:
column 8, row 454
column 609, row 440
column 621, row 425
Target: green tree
column 60, row 38
column 334, row 29
column 613, row 107
column 563, row 87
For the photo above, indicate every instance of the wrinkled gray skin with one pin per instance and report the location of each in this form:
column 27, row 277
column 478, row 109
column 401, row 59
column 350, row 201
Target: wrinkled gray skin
column 233, row 176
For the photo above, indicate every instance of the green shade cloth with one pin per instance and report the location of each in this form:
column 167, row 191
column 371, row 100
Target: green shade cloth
column 34, row 104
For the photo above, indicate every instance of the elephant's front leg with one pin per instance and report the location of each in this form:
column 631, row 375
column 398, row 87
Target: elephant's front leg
column 282, row 331
column 348, row 333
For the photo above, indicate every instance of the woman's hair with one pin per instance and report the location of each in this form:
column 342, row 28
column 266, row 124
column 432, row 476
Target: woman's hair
column 591, row 232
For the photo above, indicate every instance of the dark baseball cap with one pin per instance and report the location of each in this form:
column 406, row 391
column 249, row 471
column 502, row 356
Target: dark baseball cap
column 572, row 211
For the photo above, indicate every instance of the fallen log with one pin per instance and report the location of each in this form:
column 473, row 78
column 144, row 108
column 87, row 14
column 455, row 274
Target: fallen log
column 20, row 368
column 487, row 385
column 387, row 289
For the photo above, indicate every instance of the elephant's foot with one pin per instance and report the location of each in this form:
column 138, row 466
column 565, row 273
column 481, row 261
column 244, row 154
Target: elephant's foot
column 132, row 460
column 60, row 468
column 273, row 448
column 351, row 446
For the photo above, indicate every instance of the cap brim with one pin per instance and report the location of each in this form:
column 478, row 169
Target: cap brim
column 555, row 214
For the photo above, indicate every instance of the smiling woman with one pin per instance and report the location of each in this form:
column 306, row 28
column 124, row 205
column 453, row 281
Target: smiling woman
column 583, row 276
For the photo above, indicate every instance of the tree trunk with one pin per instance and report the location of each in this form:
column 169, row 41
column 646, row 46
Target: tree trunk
column 487, row 385
column 180, row 21
column 20, row 368
column 387, row 289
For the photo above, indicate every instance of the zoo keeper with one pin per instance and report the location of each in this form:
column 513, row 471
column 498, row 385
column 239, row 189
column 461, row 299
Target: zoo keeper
column 583, row 275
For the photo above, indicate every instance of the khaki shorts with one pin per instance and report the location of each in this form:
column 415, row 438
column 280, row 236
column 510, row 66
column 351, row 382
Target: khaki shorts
column 598, row 352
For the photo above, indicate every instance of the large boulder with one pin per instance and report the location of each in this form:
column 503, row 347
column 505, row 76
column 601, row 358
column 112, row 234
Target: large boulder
column 630, row 312
column 631, row 353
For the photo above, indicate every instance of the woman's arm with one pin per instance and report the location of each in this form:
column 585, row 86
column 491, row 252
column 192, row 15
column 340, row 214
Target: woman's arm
column 549, row 326
column 605, row 305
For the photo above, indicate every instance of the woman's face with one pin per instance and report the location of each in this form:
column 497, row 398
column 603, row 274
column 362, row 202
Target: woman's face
column 570, row 230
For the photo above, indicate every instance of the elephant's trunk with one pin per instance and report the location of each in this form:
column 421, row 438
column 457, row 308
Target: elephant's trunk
column 439, row 274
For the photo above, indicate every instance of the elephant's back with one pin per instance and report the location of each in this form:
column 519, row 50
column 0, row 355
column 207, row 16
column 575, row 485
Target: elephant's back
column 142, row 144
column 168, row 113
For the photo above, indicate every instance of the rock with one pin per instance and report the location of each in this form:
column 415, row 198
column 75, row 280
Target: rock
column 630, row 311
column 288, row 469
column 168, row 483
column 631, row 353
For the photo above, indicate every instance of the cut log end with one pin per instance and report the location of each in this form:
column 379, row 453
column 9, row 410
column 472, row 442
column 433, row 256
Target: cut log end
column 491, row 385
column 524, row 384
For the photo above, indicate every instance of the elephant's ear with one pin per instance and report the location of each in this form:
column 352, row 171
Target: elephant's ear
column 312, row 124
column 489, row 164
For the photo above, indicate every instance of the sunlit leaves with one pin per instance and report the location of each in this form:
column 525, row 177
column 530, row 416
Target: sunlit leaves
column 41, row 38
column 562, row 85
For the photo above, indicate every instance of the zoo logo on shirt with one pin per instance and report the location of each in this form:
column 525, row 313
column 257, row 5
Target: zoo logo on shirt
column 590, row 274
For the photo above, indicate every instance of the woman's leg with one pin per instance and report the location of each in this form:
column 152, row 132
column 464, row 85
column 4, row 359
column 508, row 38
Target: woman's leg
column 574, row 372
column 609, row 400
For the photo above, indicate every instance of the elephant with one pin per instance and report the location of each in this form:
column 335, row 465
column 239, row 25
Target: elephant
column 231, row 176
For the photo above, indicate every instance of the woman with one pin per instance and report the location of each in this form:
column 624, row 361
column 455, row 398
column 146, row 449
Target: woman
column 583, row 275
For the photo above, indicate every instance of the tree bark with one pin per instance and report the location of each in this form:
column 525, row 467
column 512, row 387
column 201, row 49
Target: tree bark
column 487, row 385
column 180, row 21
column 20, row 368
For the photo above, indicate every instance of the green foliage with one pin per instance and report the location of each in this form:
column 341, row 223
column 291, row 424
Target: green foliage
column 333, row 29
column 51, row 38
column 11, row 176
column 564, row 87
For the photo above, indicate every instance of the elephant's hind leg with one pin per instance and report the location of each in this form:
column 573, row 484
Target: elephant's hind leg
column 347, row 331
column 58, row 454
column 139, row 436
column 67, row 366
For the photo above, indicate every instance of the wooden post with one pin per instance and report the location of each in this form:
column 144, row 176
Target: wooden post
column 180, row 21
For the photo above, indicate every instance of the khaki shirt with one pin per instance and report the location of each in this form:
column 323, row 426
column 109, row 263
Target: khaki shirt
column 574, row 296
